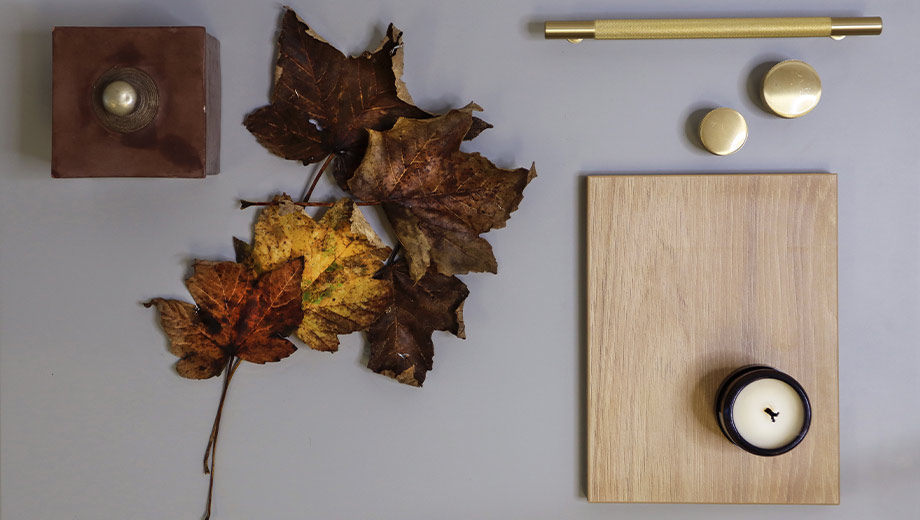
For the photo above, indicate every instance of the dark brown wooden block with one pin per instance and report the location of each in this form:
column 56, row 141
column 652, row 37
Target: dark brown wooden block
column 183, row 137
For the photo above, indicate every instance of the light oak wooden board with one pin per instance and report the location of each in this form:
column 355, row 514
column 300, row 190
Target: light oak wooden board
column 690, row 277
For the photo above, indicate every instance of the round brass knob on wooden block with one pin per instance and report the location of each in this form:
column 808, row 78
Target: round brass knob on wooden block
column 723, row 131
column 791, row 88
column 125, row 99
column 119, row 98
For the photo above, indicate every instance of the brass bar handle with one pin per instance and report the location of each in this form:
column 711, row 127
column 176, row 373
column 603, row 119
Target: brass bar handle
column 691, row 28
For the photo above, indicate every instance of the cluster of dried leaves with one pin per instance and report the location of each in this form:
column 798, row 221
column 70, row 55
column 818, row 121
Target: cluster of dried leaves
column 386, row 152
column 323, row 278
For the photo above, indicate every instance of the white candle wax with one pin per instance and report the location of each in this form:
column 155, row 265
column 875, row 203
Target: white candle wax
column 768, row 413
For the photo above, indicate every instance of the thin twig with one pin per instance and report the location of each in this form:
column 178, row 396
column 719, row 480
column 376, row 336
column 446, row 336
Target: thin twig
column 220, row 407
column 316, row 176
column 248, row 203
column 211, row 450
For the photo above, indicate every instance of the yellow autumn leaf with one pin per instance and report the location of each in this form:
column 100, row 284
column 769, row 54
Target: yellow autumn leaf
column 341, row 254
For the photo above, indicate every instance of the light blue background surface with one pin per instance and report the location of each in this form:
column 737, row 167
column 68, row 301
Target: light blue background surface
column 96, row 425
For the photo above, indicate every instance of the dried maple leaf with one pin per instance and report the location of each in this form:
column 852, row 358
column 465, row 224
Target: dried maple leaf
column 237, row 315
column 323, row 101
column 438, row 198
column 341, row 254
column 400, row 339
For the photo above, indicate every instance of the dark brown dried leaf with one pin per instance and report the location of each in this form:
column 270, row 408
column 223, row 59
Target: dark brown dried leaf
column 400, row 340
column 323, row 102
column 439, row 199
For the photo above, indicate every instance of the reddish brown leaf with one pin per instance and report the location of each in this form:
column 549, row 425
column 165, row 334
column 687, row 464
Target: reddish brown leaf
column 438, row 198
column 200, row 357
column 237, row 315
column 323, row 102
column 400, row 339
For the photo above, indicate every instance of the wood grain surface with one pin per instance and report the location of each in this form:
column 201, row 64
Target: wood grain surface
column 690, row 277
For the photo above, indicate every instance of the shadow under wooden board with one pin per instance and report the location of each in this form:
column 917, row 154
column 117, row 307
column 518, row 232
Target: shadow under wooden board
column 690, row 277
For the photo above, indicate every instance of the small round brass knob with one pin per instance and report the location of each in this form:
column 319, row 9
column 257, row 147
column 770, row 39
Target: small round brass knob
column 723, row 131
column 791, row 88
column 125, row 99
column 119, row 98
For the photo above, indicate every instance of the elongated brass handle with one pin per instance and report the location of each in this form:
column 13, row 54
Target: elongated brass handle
column 688, row 28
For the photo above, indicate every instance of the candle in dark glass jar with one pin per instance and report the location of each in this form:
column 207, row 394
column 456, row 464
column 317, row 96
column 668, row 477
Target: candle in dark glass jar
column 762, row 410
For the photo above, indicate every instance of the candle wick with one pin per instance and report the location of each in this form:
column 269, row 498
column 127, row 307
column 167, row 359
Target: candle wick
column 771, row 413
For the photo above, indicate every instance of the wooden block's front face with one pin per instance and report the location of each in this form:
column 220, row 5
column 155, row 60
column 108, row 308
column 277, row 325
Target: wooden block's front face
column 690, row 277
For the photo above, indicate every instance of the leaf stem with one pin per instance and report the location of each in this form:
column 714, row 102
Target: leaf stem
column 393, row 254
column 248, row 203
column 316, row 177
column 210, row 452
